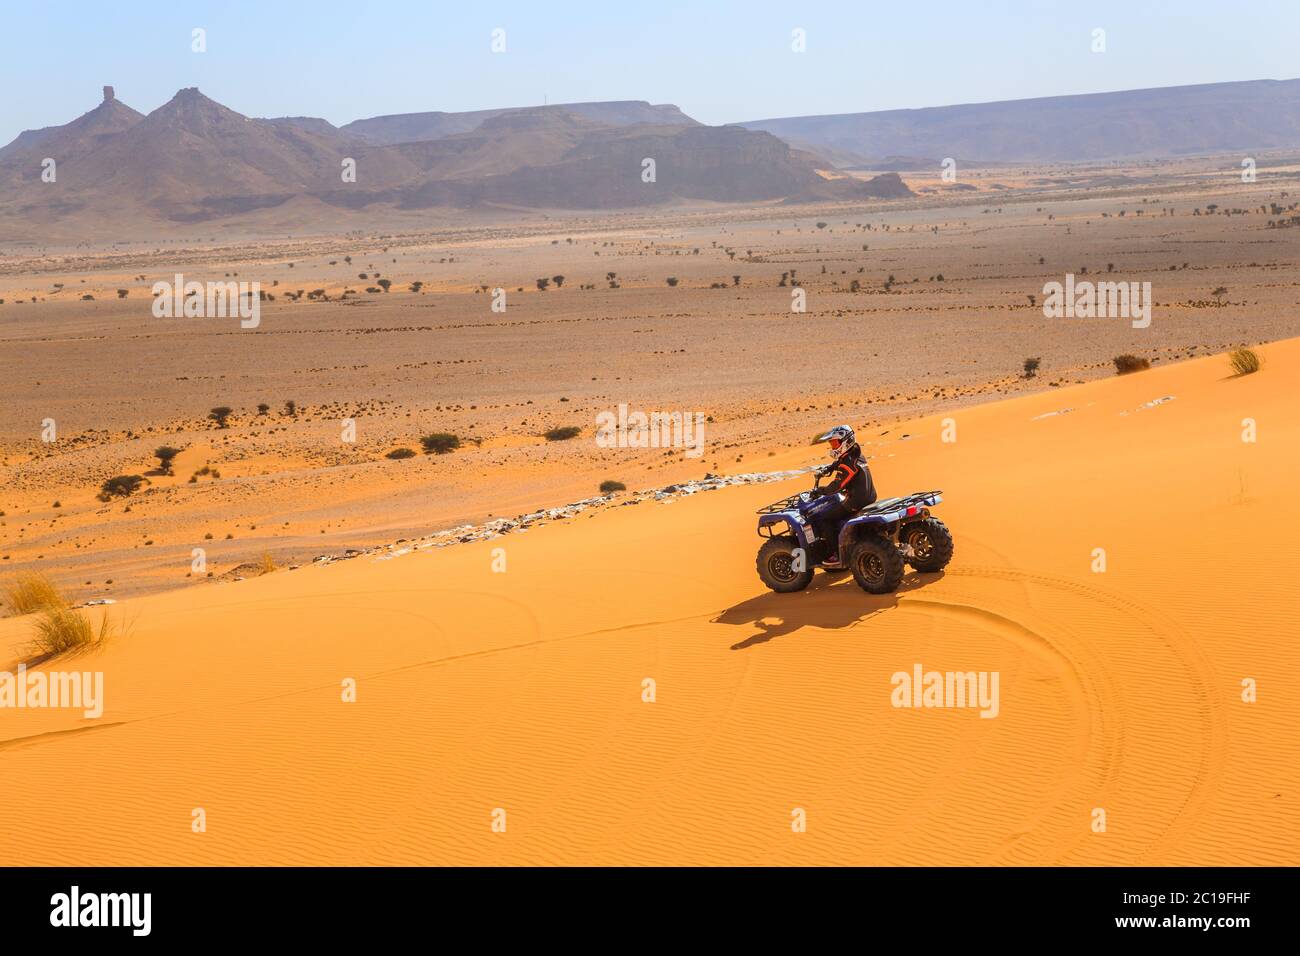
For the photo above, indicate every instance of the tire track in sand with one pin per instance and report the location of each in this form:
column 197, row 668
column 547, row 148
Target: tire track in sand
column 1162, row 723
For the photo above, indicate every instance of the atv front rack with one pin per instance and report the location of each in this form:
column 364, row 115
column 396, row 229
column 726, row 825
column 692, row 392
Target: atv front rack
column 785, row 504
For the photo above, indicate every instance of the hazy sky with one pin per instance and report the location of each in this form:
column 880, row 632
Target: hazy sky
column 718, row 61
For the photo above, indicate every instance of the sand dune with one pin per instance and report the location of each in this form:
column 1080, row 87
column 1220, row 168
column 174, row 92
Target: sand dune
column 522, row 690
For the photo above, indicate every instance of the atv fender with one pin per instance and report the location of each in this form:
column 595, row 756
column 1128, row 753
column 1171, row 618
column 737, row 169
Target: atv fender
column 774, row 524
column 878, row 517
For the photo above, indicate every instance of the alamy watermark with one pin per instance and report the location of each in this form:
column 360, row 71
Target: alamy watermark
column 82, row 690
column 926, row 689
column 1098, row 300
column 208, row 300
column 130, row 910
column 627, row 429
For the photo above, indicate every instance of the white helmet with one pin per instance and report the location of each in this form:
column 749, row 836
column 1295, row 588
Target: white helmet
column 841, row 439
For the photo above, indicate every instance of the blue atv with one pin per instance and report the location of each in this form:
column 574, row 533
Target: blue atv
column 874, row 543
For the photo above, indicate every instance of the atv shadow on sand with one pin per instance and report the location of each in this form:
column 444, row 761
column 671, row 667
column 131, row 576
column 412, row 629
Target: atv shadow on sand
column 829, row 602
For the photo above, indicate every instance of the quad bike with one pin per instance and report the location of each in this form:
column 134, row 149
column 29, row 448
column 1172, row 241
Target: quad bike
column 874, row 543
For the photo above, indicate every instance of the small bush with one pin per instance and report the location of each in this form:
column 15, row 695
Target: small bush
column 30, row 592
column 1031, row 367
column 221, row 415
column 165, row 455
column 401, row 453
column 120, row 486
column 439, row 443
column 1124, row 364
column 563, row 433
column 608, row 487
column 266, row 564
column 1244, row 362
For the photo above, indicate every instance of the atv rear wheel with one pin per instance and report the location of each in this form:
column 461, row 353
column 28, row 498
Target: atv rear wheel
column 930, row 541
column 877, row 565
column 778, row 560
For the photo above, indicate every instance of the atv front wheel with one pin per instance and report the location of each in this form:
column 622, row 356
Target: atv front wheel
column 877, row 565
column 930, row 541
column 778, row 562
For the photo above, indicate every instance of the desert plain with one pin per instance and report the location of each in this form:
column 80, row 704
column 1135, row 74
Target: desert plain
column 338, row 682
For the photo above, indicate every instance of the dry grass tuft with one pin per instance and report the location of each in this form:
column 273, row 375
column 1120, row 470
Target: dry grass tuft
column 1244, row 361
column 1127, row 364
column 60, row 630
column 30, row 592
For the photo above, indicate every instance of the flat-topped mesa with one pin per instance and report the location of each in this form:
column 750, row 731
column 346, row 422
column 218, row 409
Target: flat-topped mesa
column 108, row 94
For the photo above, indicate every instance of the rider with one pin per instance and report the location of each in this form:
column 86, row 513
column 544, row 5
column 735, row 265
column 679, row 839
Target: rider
column 852, row 479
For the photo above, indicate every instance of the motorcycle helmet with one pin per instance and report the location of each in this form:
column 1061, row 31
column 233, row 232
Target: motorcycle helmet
column 841, row 439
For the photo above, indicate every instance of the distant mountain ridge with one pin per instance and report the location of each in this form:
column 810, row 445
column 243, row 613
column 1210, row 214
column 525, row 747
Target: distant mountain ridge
column 84, row 133
column 1149, row 123
column 416, row 127
column 193, row 159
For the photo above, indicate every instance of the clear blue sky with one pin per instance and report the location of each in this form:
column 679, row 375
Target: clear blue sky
column 718, row 61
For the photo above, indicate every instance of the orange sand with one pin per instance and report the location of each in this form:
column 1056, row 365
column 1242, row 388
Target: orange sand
column 522, row 690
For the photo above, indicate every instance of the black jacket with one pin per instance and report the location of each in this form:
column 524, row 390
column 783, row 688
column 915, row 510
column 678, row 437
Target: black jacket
column 853, row 477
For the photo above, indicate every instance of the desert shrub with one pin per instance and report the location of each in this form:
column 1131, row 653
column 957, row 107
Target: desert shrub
column 30, row 592
column 266, row 564
column 291, row 408
column 123, row 293
column 120, row 486
column 384, row 284
column 1244, row 361
column 563, row 433
column 61, row 629
column 607, row 487
column 263, row 408
column 1031, row 367
column 439, row 443
column 1124, row 364
column 221, row 415
column 672, row 281
column 401, row 453
column 165, row 455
